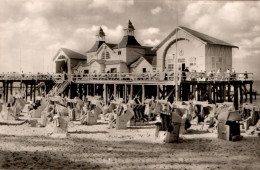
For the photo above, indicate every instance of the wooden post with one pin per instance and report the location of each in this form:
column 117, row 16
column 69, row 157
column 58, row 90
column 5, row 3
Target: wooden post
column 236, row 96
column 198, row 92
column 241, row 94
column 6, row 99
column 26, row 91
column 214, row 93
column 125, row 95
column 228, row 93
column 157, row 92
column 94, row 89
column 251, row 92
column 209, row 93
column 131, row 92
column 4, row 91
column 115, row 91
column 31, row 89
column 105, row 93
column 143, row 94
column 224, row 92
column 11, row 88
column 34, row 93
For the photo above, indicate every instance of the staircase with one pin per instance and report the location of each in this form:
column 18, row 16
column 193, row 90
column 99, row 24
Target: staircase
column 58, row 88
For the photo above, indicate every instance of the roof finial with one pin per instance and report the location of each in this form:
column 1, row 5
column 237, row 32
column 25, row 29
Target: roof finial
column 101, row 35
column 130, row 26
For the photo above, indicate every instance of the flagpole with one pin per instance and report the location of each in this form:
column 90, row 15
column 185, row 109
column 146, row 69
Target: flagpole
column 176, row 58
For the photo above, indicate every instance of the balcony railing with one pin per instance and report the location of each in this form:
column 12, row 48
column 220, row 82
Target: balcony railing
column 132, row 77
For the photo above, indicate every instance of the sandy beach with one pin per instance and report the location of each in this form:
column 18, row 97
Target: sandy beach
column 97, row 147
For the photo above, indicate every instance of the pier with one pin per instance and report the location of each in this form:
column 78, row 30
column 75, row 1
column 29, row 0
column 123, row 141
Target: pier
column 129, row 86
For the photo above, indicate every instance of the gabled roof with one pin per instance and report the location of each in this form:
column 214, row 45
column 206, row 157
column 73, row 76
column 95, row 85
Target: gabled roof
column 206, row 38
column 149, row 59
column 71, row 54
column 202, row 37
column 96, row 46
column 128, row 41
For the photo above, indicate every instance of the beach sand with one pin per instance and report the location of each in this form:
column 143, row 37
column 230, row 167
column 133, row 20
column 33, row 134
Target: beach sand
column 97, row 147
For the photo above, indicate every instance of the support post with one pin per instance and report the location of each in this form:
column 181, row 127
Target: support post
column 228, row 93
column 236, row 97
column 26, row 91
column 105, row 93
column 6, row 99
column 224, row 93
column 4, row 90
column 114, row 91
column 143, row 94
column 209, row 93
column 251, row 92
column 94, row 89
column 11, row 88
column 125, row 95
column 131, row 92
column 158, row 92
column 241, row 94
column 31, row 89
column 34, row 93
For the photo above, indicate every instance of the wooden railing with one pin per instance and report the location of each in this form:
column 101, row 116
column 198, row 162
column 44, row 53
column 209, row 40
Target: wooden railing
column 184, row 76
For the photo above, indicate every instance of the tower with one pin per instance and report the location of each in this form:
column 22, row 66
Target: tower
column 130, row 29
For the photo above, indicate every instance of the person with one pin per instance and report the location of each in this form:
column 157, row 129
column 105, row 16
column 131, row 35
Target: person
column 245, row 75
column 184, row 73
column 165, row 71
column 71, row 117
column 228, row 74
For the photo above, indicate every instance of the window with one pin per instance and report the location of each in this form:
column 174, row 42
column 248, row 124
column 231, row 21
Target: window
column 170, row 67
column 144, row 70
column 119, row 52
column 103, row 55
column 86, row 71
column 107, row 55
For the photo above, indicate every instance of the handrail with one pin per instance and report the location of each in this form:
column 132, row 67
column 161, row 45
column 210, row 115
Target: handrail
column 157, row 76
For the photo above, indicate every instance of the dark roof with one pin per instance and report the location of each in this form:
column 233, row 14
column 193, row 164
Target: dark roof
column 73, row 55
column 207, row 38
column 149, row 51
column 110, row 45
column 95, row 47
column 128, row 41
column 151, row 59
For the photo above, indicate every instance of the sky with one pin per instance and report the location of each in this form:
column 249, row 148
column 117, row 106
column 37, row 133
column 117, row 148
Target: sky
column 32, row 31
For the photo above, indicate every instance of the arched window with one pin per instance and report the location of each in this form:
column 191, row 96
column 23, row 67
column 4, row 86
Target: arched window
column 107, row 55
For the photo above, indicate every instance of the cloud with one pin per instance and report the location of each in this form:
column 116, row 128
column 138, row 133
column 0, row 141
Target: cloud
column 156, row 10
column 35, row 6
column 233, row 22
column 148, row 32
column 151, row 42
column 116, row 6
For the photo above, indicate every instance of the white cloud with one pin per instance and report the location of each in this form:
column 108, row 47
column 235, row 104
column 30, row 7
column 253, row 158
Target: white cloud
column 117, row 6
column 151, row 42
column 36, row 6
column 156, row 10
column 148, row 32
